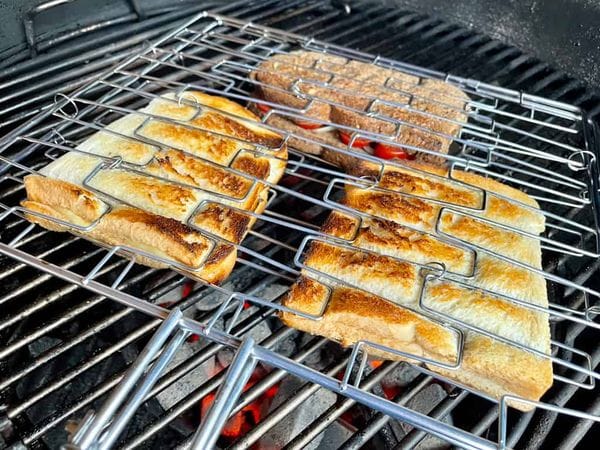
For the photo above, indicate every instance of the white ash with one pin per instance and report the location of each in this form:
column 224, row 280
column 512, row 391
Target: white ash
column 271, row 291
column 192, row 380
column 424, row 402
column 401, row 376
column 303, row 415
column 333, row 436
column 211, row 301
column 174, row 295
column 286, row 347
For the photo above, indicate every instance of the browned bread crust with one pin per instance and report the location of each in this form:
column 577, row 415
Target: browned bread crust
column 279, row 74
column 366, row 97
column 353, row 315
column 384, row 261
column 149, row 207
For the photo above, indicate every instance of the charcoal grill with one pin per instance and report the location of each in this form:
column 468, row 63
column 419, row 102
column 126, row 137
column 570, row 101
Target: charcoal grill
column 92, row 341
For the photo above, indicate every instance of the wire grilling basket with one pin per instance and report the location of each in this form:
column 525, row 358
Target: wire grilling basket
column 545, row 148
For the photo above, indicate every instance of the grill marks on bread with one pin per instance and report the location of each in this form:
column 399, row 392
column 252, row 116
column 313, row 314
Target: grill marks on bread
column 424, row 113
column 352, row 315
column 180, row 167
column 227, row 223
column 197, row 142
column 423, row 214
column 252, row 165
column 392, row 239
column 392, row 280
column 151, row 203
column 198, row 136
column 122, row 225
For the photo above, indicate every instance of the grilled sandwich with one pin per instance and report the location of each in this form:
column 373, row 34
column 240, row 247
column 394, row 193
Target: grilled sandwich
column 415, row 113
column 399, row 273
column 170, row 182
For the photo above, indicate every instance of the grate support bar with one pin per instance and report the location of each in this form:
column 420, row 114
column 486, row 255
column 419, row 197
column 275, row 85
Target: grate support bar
column 237, row 376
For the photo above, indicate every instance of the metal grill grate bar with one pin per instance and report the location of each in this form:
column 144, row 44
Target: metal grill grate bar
column 580, row 302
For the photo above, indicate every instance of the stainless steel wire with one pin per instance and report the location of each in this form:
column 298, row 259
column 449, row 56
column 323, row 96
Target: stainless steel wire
column 208, row 32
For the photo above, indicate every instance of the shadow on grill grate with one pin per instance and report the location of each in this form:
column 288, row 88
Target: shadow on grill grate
column 66, row 346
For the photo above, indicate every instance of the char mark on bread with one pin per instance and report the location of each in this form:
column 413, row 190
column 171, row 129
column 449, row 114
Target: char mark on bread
column 417, row 114
column 381, row 286
column 182, row 205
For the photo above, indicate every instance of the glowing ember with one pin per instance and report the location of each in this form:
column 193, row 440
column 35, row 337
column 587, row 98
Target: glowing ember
column 250, row 415
column 376, row 363
column 187, row 289
column 390, row 390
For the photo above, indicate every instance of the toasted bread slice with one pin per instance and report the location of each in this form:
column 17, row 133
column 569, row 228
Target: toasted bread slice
column 403, row 195
column 388, row 260
column 296, row 71
column 353, row 315
column 173, row 196
column 422, row 113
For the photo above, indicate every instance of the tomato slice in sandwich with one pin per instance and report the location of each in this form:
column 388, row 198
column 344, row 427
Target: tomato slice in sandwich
column 385, row 151
column 358, row 142
column 309, row 125
column 262, row 107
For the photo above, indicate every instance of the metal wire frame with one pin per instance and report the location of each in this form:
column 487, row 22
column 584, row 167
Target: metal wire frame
column 203, row 39
column 559, row 223
column 278, row 109
column 432, row 271
column 471, row 130
column 230, row 390
column 562, row 181
column 116, row 163
column 240, row 296
column 83, row 278
column 182, row 95
column 271, row 358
